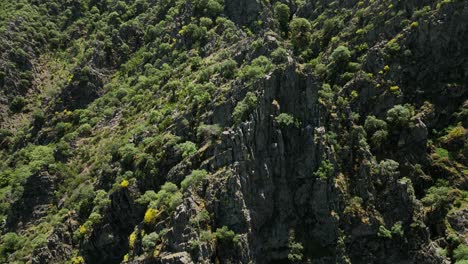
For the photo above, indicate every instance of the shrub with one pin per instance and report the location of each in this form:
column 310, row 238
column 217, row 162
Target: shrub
column 212, row 8
column 147, row 197
column 372, row 124
column 78, row 260
column 194, row 33
column 11, row 242
column 228, row 68
column 460, row 253
column 150, row 216
column 194, row 179
column 101, row 200
column 127, row 155
column 399, row 116
column 300, row 33
column 187, row 149
column 438, row 196
column 389, row 168
column 282, row 14
column 168, row 198
column 124, row 184
column 244, row 107
column 257, row 69
column 17, row 104
column 395, row 89
column 84, row 130
column 392, row 46
column 295, row 254
column 208, row 131
column 279, row 55
column 379, row 137
column 286, row 120
column 384, row 232
column 341, row 55
column 325, row 170
column 225, row 235
column 206, row 22
column 397, row 229
column 149, row 241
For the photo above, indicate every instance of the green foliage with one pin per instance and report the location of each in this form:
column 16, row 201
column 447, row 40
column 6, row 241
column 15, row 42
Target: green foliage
column 325, row 170
column 127, row 155
column 377, row 129
column 279, row 55
column 373, row 124
column 147, row 197
column 341, row 55
column 399, row 116
column 286, row 120
column 224, row 235
column 384, row 232
column 397, row 229
column 295, row 254
column 392, row 46
column 11, row 242
column 244, row 108
column 282, row 14
column 187, row 149
column 438, row 196
column 208, row 131
column 257, row 69
column 17, row 104
column 194, row 179
column 210, row 8
column 228, row 68
column 168, row 198
column 379, row 138
column 460, row 253
column 300, row 33
column 149, row 241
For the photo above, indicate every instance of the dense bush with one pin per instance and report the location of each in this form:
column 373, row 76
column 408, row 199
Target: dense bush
column 399, row 116
column 282, row 14
column 286, row 120
column 187, row 149
column 300, row 33
column 257, row 69
column 373, row 124
column 17, row 104
column 244, row 107
column 341, row 55
column 224, row 235
column 194, row 179
column 460, row 253
column 325, row 170
column 149, row 241
column 168, row 198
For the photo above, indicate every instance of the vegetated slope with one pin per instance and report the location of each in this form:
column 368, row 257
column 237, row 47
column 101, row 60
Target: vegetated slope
column 233, row 132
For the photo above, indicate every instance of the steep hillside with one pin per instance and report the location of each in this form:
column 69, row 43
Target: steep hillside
column 235, row 131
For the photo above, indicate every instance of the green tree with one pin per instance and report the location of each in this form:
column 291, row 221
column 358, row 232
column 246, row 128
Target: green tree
column 282, row 14
column 300, row 33
column 399, row 116
column 194, row 179
column 341, row 55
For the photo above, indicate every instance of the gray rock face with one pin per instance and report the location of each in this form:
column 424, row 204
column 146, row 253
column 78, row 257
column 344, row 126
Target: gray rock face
column 242, row 12
column 271, row 189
